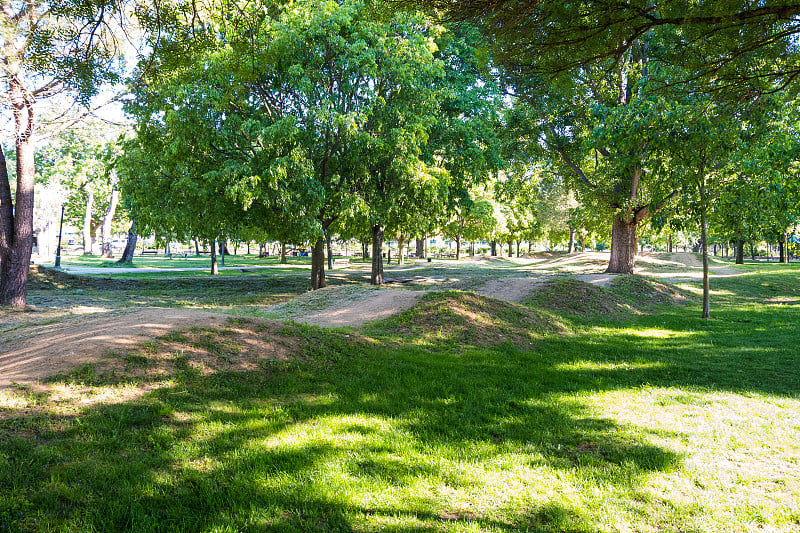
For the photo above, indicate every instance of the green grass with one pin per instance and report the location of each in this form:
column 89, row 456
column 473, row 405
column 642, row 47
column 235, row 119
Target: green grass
column 649, row 420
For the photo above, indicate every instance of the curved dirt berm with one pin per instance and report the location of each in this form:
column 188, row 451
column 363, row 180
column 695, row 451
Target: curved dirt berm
column 37, row 352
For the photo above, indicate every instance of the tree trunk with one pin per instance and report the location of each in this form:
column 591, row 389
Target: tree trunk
column 510, row 249
column 376, row 276
column 582, row 242
column 87, row 223
column 458, row 248
column 318, row 264
column 262, row 250
column 782, row 249
column 196, row 247
column 105, row 229
column 669, row 243
column 571, row 246
column 740, row 252
column 420, row 248
column 16, row 221
column 214, row 266
column 623, row 247
column 365, row 250
column 704, row 248
column 130, row 246
column 330, row 252
column 517, row 248
column 283, row 253
column 401, row 242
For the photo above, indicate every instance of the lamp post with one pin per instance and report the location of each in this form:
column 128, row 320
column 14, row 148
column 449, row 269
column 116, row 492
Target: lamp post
column 58, row 248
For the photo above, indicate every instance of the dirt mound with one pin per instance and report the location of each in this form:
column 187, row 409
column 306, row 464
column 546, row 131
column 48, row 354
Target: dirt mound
column 347, row 305
column 623, row 294
column 235, row 344
column 643, row 294
column 452, row 317
column 35, row 352
column 565, row 294
column 509, row 289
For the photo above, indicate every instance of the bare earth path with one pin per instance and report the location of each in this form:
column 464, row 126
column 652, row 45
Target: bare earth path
column 377, row 305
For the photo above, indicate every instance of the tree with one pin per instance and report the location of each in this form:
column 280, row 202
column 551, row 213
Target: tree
column 49, row 49
column 589, row 73
column 752, row 43
column 80, row 159
column 474, row 220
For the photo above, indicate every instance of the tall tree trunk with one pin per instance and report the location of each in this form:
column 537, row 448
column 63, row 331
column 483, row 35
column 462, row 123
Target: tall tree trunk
column 214, row 266
column 401, row 242
column 262, row 250
column 623, row 247
column 517, row 248
column 87, row 223
column 420, row 248
column 458, row 248
column 16, row 221
column 365, row 250
column 783, row 248
column 283, row 253
column 105, row 229
column 571, row 246
column 130, row 245
column 196, row 247
column 376, row 276
column 494, row 248
column 704, row 244
column 510, row 249
column 740, row 251
column 318, row 264
column 330, row 252
column 701, row 184
column 669, row 243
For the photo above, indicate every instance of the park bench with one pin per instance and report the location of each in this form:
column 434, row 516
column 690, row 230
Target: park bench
column 149, row 252
column 341, row 262
column 178, row 254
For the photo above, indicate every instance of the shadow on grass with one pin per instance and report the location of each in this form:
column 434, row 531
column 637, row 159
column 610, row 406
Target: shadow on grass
column 355, row 438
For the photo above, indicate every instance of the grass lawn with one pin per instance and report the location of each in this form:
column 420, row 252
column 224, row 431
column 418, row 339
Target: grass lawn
column 460, row 414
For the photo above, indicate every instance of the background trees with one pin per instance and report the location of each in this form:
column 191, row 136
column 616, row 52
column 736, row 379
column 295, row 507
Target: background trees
column 49, row 50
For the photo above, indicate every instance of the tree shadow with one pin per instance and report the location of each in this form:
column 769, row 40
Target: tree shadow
column 350, row 438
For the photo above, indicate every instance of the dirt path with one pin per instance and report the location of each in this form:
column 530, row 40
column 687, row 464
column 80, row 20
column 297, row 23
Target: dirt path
column 34, row 353
column 377, row 305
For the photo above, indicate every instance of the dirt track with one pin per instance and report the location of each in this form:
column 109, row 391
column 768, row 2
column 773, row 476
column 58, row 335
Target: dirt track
column 43, row 345
column 37, row 352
